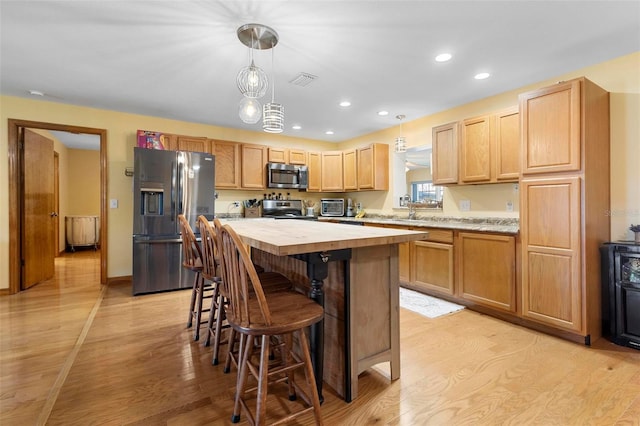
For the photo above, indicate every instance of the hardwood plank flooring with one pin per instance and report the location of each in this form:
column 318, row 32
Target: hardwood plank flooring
column 75, row 353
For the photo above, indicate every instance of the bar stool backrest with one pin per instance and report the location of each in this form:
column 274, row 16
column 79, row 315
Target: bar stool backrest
column 192, row 255
column 240, row 277
column 209, row 250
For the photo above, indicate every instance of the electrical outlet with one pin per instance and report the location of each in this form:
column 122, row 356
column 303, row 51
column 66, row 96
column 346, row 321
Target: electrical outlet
column 516, row 187
column 509, row 206
column 465, row 205
column 235, row 204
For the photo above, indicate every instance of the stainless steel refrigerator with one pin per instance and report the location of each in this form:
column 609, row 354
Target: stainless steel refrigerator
column 165, row 184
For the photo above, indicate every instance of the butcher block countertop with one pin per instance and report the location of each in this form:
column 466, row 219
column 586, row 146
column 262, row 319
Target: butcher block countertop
column 283, row 237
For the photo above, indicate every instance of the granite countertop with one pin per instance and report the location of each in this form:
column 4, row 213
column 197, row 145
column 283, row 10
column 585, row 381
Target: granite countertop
column 504, row 225
column 481, row 224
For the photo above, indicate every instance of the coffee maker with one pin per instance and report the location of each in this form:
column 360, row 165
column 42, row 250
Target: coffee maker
column 350, row 212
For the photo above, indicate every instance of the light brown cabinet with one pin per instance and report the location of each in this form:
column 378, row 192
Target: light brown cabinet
column 193, row 144
column 373, row 167
column 444, row 163
column 404, row 254
column 486, row 269
column 432, row 263
column 254, row 161
column 563, row 199
column 314, row 162
column 227, row 164
column 331, row 172
column 490, row 148
column 287, row 156
column 350, row 169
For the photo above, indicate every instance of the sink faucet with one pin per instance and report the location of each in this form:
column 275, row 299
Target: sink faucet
column 412, row 207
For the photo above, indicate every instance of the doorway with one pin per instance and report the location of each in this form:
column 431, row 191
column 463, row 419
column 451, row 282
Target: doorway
column 16, row 190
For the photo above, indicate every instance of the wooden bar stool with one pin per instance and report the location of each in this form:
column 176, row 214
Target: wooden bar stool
column 256, row 315
column 272, row 281
column 192, row 260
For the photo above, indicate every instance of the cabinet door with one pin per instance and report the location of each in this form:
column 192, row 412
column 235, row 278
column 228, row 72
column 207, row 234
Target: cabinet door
column 550, row 228
column 278, row 155
column 373, row 167
column 486, row 269
column 227, row 164
column 550, row 119
column 507, row 145
column 445, row 154
column 187, row 143
column 404, row 253
column 475, row 149
column 331, row 177
column 432, row 266
column 314, row 162
column 253, row 172
column 350, row 159
column 297, row 157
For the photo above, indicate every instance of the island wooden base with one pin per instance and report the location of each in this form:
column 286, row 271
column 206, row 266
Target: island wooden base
column 361, row 301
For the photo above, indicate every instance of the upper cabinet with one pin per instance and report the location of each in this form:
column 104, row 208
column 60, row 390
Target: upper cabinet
column 486, row 149
column 314, row 162
column 444, row 166
column 253, row 172
column 188, row 143
column 287, row 156
column 373, row 167
column 227, row 164
column 350, row 169
column 507, row 145
column 551, row 124
column 331, row 174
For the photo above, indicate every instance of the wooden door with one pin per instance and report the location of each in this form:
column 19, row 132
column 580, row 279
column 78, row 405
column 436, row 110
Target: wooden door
column 507, row 145
column 444, row 165
column 315, row 170
column 551, row 135
column 552, row 290
column 39, row 214
column 227, row 164
column 486, row 272
column 475, row 149
column 350, row 166
column 331, row 176
column 253, row 173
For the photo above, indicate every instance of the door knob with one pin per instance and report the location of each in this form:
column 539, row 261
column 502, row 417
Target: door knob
column 53, row 214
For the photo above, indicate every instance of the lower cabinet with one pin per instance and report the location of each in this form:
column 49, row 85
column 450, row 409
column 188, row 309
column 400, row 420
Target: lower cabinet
column 486, row 269
column 432, row 267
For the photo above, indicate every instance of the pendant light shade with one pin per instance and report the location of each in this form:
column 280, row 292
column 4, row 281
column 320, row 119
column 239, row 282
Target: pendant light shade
column 273, row 118
column 252, row 81
column 401, row 142
column 250, row 110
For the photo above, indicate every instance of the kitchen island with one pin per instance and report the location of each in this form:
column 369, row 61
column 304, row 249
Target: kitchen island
column 353, row 272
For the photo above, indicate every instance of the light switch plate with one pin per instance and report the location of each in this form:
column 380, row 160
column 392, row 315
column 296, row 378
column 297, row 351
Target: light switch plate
column 113, row 203
column 465, row 205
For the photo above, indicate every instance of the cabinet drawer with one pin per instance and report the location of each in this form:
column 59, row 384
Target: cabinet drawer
column 437, row 234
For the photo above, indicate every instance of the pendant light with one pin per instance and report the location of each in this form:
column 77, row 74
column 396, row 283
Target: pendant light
column 273, row 113
column 401, row 142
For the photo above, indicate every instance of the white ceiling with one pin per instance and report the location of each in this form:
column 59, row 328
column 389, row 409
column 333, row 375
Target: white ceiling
column 179, row 59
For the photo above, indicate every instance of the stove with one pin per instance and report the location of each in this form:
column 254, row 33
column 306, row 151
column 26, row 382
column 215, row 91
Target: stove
column 284, row 209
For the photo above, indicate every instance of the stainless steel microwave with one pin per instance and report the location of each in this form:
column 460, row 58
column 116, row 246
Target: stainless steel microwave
column 332, row 207
column 287, row 176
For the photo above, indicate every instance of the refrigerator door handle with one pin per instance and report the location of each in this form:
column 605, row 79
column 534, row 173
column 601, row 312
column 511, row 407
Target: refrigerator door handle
column 173, row 192
column 180, row 184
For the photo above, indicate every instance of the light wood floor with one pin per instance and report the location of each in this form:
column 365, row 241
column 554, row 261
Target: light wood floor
column 75, row 353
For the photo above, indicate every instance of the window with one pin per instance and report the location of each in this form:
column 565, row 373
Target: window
column 426, row 190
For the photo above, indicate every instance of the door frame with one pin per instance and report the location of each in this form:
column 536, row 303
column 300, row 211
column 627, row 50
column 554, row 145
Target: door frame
column 15, row 191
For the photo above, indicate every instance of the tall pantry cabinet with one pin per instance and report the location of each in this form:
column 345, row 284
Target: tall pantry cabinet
column 564, row 199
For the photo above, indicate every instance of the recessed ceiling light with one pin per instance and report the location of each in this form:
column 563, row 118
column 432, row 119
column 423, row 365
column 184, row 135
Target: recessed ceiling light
column 36, row 93
column 345, row 104
column 296, row 127
column 329, row 132
column 443, row 57
column 482, row 76
column 383, row 113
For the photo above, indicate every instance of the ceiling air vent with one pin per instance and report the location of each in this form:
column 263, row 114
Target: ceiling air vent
column 303, row 79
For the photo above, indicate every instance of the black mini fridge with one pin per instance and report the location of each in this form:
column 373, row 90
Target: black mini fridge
column 621, row 292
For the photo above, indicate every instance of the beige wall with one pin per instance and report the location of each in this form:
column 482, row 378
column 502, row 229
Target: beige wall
column 619, row 76
column 84, row 182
